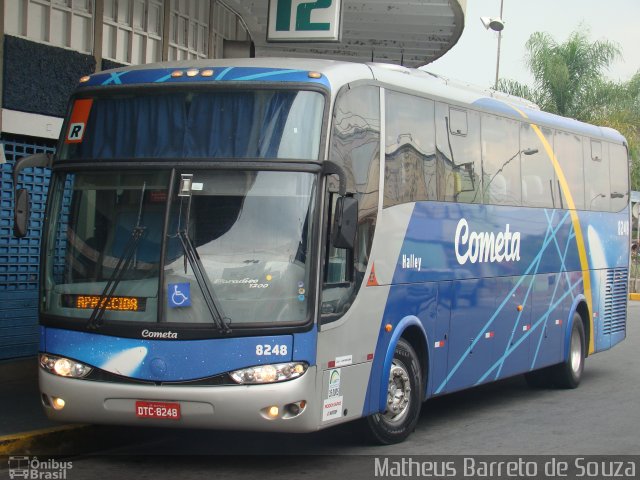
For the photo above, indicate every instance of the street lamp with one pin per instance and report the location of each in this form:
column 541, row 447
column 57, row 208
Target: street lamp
column 497, row 25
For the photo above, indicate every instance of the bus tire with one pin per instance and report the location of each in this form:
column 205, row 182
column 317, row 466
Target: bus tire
column 569, row 373
column 404, row 398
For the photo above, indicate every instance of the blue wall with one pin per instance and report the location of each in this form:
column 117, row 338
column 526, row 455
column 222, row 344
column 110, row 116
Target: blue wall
column 19, row 258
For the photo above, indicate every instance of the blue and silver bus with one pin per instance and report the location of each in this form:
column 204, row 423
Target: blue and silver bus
column 289, row 244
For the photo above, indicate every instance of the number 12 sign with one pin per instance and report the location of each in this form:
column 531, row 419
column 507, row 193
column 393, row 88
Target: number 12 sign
column 308, row 21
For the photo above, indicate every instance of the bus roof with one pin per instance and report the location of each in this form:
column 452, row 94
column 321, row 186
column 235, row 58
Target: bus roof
column 335, row 74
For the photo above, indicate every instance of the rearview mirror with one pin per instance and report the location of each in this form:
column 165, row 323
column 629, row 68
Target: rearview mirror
column 345, row 223
column 21, row 213
column 21, row 195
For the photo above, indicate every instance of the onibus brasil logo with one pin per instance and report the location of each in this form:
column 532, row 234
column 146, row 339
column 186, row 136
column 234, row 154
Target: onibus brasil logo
column 32, row 468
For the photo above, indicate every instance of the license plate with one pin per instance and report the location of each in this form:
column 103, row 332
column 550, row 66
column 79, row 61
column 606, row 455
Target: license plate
column 163, row 410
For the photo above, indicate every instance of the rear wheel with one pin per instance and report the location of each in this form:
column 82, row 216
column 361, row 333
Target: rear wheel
column 569, row 373
column 404, row 398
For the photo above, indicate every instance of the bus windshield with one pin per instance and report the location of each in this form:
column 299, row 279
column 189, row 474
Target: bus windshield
column 192, row 124
column 249, row 230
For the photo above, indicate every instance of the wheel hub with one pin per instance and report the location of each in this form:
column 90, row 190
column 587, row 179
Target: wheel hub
column 576, row 353
column 398, row 392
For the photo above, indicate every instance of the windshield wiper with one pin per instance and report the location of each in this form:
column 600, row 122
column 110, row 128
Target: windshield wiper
column 213, row 304
column 124, row 262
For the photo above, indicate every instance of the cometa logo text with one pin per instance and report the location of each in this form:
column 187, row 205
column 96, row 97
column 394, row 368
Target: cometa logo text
column 162, row 335
column 479, row 247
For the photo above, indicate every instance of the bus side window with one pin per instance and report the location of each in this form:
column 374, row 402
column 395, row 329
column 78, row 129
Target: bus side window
column 502, row 180
column 410, row 157
column 459, row 165
column 355, row 146
column 539, row 182
column 458, row 121
column 619, row 168
column 596, row 168
column 568, row 149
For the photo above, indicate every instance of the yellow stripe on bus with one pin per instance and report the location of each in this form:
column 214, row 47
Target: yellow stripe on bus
column 582, row 251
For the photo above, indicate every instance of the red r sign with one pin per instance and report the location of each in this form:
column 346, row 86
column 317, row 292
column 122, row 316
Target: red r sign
column 78, row 120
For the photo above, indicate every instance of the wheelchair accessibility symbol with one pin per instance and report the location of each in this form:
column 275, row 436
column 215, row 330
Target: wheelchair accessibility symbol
column 179, row 295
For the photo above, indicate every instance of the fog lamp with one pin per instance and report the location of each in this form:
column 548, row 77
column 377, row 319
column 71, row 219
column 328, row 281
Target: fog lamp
column 58, row 403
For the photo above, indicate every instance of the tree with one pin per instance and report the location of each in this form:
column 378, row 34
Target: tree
column 569, row 80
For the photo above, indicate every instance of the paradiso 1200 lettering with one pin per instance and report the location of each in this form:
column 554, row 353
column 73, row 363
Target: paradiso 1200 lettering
column 486, row 246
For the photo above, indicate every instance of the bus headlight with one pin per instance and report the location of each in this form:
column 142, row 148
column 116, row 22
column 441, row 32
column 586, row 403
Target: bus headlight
column 278, row 372
column 64, row 367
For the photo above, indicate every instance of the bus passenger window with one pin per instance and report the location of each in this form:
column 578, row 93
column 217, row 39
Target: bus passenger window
column 619, row 178
column 596, row 151
column 596, row 168
column 568, row 150
column 458, row 121
column 458, row 154
column 410, row 157
column 501, row 161
column 538, row 177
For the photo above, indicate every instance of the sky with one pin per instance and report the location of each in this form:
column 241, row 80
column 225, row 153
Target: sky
column 473, row 58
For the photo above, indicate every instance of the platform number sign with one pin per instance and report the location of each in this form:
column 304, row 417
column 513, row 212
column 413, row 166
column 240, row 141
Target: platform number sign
column 304, row 20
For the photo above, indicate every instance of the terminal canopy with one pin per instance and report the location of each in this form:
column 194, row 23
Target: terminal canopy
column 407, row 32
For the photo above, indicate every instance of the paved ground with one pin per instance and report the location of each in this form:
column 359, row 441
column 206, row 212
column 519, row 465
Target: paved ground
column 600, row 417
column 20, row 398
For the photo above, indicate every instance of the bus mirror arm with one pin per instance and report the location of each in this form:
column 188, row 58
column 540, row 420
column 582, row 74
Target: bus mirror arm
column 21, row 211
column 331, row 168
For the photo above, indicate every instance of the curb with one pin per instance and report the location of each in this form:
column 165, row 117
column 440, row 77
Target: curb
column 634, row 296
column 38, row 441
column 72, row 440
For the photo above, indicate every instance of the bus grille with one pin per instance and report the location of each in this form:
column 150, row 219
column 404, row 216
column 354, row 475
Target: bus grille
column 615, row 301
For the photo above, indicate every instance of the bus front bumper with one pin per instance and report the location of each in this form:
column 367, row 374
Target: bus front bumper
column 239, row 407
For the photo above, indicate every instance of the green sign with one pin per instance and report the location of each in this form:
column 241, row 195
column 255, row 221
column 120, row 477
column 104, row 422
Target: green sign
column 298, row 20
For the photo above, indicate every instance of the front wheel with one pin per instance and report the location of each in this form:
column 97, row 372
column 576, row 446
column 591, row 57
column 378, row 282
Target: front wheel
column 404, row 398
column 569, row 373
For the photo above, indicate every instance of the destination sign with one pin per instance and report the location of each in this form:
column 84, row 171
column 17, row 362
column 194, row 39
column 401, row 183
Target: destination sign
column 123, row 304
